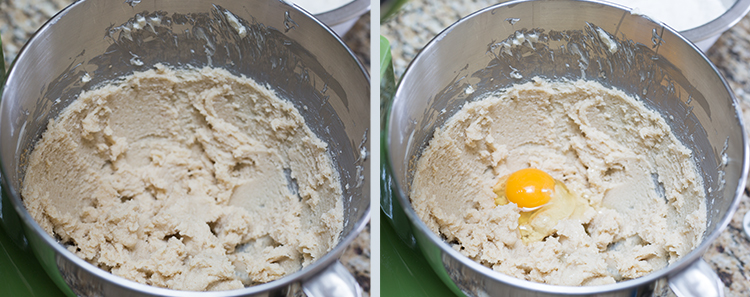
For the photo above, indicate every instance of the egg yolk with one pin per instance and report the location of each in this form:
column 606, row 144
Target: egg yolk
column 529, row 188
column 542, row 201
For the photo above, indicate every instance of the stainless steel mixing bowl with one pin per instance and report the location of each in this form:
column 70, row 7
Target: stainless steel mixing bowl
column 662, row 68
column 273, row 43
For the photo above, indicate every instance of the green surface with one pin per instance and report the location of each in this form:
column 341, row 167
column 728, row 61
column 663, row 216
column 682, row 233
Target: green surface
column 387, row 81
column 389, row 7
column 2, row 65
column 403, row 271
column 21, row 274
column 385, row 60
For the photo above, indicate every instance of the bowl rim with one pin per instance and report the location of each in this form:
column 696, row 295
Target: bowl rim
column 672, row 269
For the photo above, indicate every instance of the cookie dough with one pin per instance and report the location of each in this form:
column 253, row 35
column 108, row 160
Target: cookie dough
column 189, row 179
column 646, row 201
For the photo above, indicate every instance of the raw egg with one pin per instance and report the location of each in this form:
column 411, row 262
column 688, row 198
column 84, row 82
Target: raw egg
column 543, row 202
column 529, row 188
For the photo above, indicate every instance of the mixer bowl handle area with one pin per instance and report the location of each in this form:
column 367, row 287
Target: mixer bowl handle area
column 334, row 281
column 698, row 280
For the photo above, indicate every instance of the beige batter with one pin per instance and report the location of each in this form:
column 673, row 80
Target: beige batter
column 184, row 179
column 604, row 145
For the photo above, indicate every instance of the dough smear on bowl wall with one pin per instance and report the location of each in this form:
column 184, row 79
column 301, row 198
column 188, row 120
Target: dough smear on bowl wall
column 643, row 198
column 189, row 179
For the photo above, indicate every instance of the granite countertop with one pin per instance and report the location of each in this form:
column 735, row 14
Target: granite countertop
column 19, row 19
column 420, row 20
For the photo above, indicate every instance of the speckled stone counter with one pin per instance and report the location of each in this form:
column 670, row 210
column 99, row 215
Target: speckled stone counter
column 420, row 20
column 19, row 19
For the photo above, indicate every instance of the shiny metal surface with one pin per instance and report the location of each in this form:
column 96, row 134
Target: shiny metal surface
column 334, row 281
column 699, row 280
column 302, row 60
column 652, row 62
